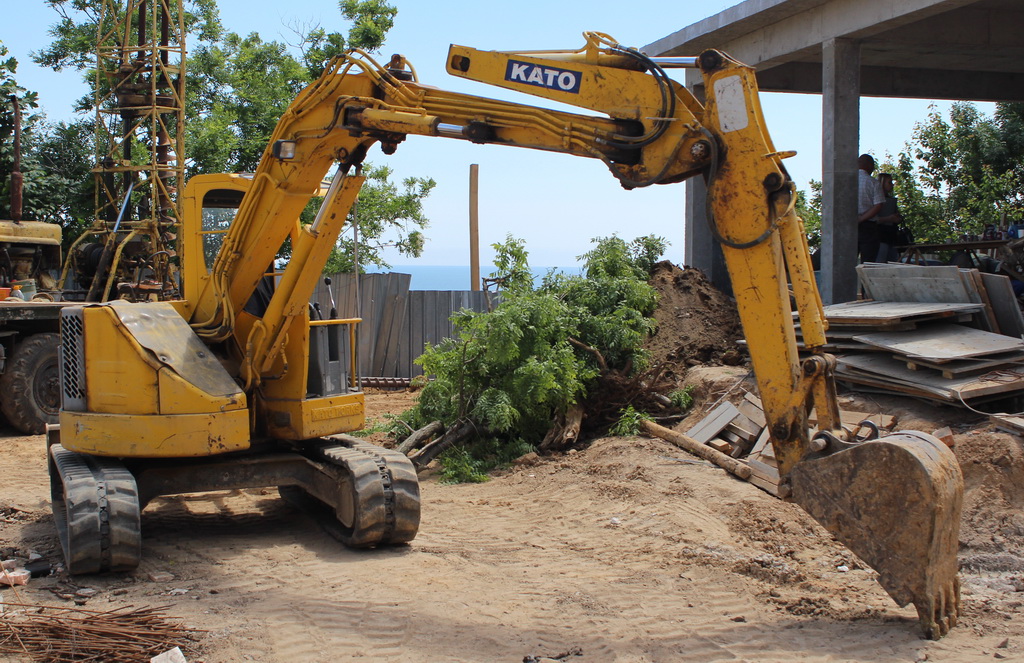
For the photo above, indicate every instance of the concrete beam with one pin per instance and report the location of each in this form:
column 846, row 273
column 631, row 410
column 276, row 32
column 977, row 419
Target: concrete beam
column 754, row 33
column 840, row 132
column 915, row 83
column 700, row 248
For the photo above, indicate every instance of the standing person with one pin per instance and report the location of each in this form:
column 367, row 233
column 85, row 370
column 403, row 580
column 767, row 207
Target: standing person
column 888, row 220
column 869, row 203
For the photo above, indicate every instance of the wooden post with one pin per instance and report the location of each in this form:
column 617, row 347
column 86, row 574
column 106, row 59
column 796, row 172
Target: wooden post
column 474, row 227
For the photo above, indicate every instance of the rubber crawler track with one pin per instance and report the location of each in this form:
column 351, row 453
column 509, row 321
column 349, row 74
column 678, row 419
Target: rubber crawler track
column 385, row 494
column 95, row 505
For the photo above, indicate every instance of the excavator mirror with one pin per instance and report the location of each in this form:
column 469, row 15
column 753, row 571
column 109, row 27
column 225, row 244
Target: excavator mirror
column 284, row 149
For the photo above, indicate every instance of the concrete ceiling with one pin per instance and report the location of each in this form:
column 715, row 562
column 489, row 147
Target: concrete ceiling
column 931, row 49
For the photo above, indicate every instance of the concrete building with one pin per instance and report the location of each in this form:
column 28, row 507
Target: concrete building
column 845, row 49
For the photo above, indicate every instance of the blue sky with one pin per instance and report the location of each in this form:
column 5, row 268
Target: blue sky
column 556, row 203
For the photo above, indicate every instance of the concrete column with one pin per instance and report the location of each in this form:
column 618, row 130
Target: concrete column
column 700, row 249
column 840, row 132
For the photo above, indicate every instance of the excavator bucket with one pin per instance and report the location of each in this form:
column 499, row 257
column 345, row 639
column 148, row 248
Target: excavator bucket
column 895, row 502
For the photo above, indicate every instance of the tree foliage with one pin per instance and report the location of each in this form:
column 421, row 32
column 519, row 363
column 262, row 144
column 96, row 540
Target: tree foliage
column 511, row 371
column 961, row 173
column 809, row 209
column 55, row 160
column 387, row 218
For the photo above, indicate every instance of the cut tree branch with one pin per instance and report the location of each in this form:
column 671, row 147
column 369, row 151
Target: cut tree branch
column 594, row 351
column 687, row 443
column 420, row 436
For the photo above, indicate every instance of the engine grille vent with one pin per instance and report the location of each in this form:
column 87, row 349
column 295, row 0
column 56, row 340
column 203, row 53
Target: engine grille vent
column 72, row 359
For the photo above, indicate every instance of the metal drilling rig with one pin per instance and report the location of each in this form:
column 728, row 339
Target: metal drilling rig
column 128, row 252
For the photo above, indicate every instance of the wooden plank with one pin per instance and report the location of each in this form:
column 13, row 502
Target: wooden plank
column 416, row 336
column 721, row 445
column 973, row 278
column 853, row 418
column 368, row 311
column 763, row 470
column 712, row 424
column 763, row 442
column 405, row 348
column 1004, row 304
column 890, row 373
column 763, row 476
column 396, row 334
column 752, row 412
column 838, row 331
column 745, row 427
column 842, row 346
column 914, row 283
column 962, row 367
column 943, row 342
column 892, row 311
column 1008, row 422
column 730, row 437
column 766, row 486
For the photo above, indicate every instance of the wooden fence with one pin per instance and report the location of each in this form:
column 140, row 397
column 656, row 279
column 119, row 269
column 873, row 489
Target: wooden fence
column 397, row 322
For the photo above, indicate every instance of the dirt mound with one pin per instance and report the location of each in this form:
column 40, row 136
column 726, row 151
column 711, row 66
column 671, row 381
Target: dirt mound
column 697, row 323
column 992, row 527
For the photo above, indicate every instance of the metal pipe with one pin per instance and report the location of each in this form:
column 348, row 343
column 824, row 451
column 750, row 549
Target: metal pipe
column 677, row 62
column 17, row 180
column 124, row 206
column 450, row 130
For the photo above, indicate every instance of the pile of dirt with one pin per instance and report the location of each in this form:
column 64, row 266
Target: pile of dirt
column 697, row 323
column 992, row 527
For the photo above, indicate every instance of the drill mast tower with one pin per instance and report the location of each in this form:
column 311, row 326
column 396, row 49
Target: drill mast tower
column 140, row 114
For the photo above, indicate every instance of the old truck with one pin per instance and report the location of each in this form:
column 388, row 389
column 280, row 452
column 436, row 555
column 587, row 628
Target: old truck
column 30, row 264
column 30, row 257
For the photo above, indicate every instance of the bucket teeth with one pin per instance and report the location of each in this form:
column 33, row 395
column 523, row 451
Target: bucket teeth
column 939, row 613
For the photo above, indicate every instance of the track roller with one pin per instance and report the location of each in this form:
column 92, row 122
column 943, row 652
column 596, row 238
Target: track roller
column 378, row 496
column 96, row 510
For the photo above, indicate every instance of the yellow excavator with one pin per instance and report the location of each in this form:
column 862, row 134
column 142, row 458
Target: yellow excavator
column 237, row 385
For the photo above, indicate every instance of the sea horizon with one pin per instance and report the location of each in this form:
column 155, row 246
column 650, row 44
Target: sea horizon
column 456, row 277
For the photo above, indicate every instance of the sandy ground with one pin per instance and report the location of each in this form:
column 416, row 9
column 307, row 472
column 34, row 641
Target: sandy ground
column 628, row 550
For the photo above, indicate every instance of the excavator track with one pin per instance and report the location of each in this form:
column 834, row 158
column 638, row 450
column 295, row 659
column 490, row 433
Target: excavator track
column 95, row 504
column 363, row 495
column 379, row 502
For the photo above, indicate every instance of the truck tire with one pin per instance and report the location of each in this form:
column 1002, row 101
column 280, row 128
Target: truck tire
column 30, row 386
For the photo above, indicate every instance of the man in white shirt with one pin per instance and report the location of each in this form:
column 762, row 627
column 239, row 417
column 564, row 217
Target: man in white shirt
column 869, row 203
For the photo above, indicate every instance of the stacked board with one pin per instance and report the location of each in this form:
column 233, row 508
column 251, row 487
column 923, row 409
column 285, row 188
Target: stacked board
column 954, row 335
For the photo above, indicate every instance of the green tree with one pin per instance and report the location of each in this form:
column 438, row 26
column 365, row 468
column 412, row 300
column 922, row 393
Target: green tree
column 236, row 91
column 959, row 174
column 387, row 217
column 371, row 20
column 55, row 157
column 809, row 209
column 514, row 371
